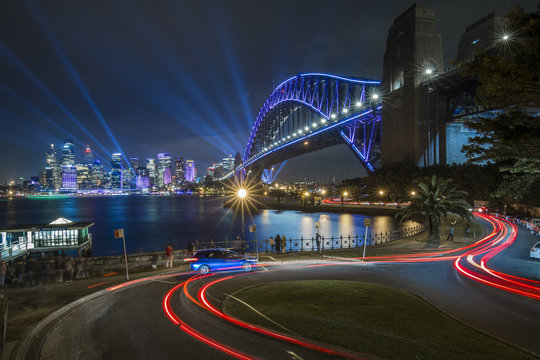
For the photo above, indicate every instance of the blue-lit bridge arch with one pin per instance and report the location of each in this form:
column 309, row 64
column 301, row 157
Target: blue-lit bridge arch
column 312, row 111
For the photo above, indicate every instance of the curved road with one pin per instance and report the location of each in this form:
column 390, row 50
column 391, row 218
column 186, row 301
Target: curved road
column 178, row 315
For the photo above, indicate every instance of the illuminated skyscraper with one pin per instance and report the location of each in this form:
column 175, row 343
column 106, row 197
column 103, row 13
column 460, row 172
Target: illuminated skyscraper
column 179, row 170
column 68, row 153
column 151, row 166
column 142, row 181
column 83, row 176
column 69, row 177
column 190, row 171
column 88, row 156
column 164, row 169
column 52, row 162
column 116, row 171
column 96, row 175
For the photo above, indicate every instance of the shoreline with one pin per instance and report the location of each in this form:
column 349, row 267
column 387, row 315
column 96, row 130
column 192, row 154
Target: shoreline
column 345, row 209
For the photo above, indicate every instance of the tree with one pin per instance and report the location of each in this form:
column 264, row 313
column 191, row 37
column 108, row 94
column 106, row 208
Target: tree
column 436, row 198
column 509, row 79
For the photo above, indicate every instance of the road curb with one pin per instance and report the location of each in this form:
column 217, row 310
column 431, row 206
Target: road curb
column 20, row 352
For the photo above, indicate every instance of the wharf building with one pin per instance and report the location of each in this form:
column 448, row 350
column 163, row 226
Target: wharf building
column 60, row 234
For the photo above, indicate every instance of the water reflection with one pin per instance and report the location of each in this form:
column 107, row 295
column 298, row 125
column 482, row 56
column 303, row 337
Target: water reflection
column 151, row 223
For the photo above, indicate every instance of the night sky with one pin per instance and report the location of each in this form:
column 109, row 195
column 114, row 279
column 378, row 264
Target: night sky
column 188, row 78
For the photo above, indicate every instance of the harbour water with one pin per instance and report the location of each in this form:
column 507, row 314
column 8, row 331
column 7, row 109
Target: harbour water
column 151, row 222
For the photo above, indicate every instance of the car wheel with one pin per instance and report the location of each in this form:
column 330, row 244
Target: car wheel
column 204, row 269
column 246, row 266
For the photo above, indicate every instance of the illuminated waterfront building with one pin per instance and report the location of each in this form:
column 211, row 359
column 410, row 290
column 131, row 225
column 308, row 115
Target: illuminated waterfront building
column 142, row 181
column 179, row 169
column 191, row 173
column 69, row 177
column 151, row 166
column 83, row 177
column 164, row 169
column 68, row 153
column 96, row 175
column 88, row 157
column 46, row 179
column 116, row 171
column 52, row 162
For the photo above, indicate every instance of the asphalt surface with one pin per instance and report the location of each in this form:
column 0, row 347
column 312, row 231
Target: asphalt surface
column 132, row 322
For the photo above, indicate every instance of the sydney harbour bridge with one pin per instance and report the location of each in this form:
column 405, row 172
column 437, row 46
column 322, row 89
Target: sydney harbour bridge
column 414, row 115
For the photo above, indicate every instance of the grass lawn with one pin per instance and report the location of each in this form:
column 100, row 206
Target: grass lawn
column 370, row 319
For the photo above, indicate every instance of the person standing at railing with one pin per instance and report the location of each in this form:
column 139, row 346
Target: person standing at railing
column 271, row 243
column 283, row 244
column 278, row 244
column 168, row 255
column 3, row 269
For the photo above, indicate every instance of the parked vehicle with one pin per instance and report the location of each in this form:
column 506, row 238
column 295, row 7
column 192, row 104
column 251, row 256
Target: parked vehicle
column 208, row 260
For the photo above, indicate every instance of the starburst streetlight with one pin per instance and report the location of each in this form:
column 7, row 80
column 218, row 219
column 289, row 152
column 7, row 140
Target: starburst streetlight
column 242, row 194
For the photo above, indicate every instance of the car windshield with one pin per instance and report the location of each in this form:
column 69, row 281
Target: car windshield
column 537, row 245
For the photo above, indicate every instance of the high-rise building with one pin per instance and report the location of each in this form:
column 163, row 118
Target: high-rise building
column 69, row 177
column 46, row 179
column 83, row 177
column 68, row 153
column 116, row 171
column 190, row 171
column 179, row 170
column 88, row 156
column 96, row 175
column 164, row 169
column 227, row 164
column 151, row 166
column 52, row 162
column 142, row 181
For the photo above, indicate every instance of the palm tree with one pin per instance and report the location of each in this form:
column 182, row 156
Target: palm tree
column 437, row 197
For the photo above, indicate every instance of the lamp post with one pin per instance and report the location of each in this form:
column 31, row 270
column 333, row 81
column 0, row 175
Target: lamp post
column 242, row 193
column 345, row 193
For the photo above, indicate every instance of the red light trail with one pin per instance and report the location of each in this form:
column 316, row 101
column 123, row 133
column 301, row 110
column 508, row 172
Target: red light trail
column 470, row 261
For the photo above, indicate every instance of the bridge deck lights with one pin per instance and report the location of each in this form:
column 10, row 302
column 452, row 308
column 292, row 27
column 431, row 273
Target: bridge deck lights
column 333, row 116
column 375, row 96
column 358, row 104
column 323, row 121
column 306, row 128
column 345, row 111
column 314, row 125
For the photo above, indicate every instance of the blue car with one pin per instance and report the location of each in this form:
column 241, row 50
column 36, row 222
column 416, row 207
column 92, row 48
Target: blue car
column 208, row 260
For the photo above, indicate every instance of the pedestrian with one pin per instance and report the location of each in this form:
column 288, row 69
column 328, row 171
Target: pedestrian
column 278, row 244
column 59, row 269
column 283, row 244
column 168, row 255
column 30, row 268
column 68, row 268
column 450, row 233
column 20, row 269
column 271, row 243
column 80, row 267
column 3, row 269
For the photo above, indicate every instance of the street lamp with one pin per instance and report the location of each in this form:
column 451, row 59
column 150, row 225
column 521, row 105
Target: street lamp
column 413, row 193
column 242, row 193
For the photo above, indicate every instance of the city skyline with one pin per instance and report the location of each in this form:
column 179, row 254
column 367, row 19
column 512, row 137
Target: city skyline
column 133, row 77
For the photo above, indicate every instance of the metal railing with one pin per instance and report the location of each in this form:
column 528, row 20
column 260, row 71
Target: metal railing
column 14, row 250
column 310, row 244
